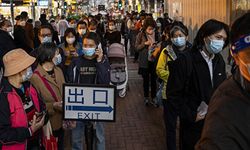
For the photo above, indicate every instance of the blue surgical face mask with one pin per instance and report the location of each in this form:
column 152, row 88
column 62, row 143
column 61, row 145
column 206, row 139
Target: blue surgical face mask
column 58, row 59
column 88, row 51
column 215, row 46
column 47, row 39
column 27, row 75
column 180, row 41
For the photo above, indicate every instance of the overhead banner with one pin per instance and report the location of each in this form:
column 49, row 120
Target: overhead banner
column 89, row 102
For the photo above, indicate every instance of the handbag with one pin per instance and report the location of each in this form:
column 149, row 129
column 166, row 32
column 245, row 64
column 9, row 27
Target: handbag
column 49, row 141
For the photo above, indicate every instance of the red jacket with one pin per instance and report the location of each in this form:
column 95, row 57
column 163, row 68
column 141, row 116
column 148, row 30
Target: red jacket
column 14, row 130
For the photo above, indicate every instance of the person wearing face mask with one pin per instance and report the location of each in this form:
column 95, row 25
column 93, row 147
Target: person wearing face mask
column 170, row 53
column 90, row 68
column 20, row 36
column 112, row 35
column 62, row 26
column 72, row 23
column 194, row 78
column 227, row 122
column 146, row 41
column 71, row 48
column 22, row 109
column 92, row 27
column 6, row 41
column 81, row 30
column 48, row 79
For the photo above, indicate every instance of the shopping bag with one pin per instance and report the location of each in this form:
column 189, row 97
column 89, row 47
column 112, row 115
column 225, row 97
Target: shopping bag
column 49, row 141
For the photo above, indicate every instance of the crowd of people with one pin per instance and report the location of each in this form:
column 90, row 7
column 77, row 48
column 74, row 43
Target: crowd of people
column 187, row 78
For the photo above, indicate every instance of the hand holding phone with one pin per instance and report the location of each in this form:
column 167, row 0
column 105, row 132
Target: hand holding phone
column 99, row 54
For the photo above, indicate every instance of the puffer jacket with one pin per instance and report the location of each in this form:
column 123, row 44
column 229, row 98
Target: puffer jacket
column 14, row 130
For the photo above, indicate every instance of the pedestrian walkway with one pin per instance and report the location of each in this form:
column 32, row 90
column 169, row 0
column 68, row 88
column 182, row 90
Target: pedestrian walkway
column 137, row 127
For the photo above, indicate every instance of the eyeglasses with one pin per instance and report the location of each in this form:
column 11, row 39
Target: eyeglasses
column 44, row 35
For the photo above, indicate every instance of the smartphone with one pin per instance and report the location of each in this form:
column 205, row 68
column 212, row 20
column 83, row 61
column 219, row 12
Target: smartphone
column 41, row 114
column 72, row 52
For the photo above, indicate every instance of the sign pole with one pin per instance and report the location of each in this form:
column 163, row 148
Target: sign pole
column 12, row 11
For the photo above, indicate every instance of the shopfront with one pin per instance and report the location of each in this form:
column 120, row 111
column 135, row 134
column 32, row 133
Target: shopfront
column 195, row 12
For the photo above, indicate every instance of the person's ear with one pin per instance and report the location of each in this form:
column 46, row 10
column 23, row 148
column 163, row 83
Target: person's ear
column 236, row 58
column 40, row 38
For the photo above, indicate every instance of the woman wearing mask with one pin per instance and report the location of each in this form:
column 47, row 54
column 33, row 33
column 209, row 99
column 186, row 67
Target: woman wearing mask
column 195, row 77
column 145, row 42
column 91, row 68
column 112, row 35
column 178, row 36
column 20, row 37
column 21, row 108
column 48, row 79
column 70, row 47
column 226, row 126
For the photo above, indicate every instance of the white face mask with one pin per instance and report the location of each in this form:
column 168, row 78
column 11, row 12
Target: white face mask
column 22, row 23
column 72, row 25
column 158, row 24
column 111, row 28
column 92, row 31
column 82, row 31
column 27, row 75
column 70, row 40
column 9, row 29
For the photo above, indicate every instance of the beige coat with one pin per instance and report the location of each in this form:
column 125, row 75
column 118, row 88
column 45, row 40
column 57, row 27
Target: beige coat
column 55, row 114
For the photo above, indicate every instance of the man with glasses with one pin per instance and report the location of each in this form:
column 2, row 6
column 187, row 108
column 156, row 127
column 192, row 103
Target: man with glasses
column 45, row 35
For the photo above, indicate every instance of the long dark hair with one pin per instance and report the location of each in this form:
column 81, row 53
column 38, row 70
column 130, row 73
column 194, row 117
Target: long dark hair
column 67, row 32
column 209, row 28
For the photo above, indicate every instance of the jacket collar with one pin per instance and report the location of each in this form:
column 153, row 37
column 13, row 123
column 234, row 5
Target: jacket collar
column 7, row 87
column 48, row 77
column 199, row 58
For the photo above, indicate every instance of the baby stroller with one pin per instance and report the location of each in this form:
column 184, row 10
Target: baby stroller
column 119, row 70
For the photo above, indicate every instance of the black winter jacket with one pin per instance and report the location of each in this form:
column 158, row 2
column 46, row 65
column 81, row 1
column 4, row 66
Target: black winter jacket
column 189, row 82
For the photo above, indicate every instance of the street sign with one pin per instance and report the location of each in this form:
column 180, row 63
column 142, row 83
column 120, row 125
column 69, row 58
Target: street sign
column 89, row 102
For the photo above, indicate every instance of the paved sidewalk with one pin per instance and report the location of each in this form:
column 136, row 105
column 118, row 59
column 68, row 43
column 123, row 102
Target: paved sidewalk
column 137, row 127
